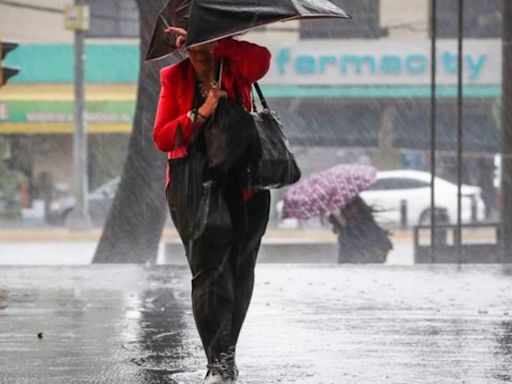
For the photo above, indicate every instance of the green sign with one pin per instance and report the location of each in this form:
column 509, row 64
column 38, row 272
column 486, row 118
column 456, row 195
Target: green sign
column 54, row 63
column 62, row 111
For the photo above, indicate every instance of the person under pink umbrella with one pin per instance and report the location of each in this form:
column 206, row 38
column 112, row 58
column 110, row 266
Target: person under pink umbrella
column 360, row 238
column 337, row 190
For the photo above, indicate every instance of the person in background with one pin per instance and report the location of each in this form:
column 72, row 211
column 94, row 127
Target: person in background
column 360, row 238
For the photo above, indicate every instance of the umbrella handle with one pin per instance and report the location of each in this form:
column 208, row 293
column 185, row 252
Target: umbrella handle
column 220, row 72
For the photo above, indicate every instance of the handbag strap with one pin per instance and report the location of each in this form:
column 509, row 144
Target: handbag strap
column 236, row 89
column 256, row 86
column 260, row 95
column 195, row 127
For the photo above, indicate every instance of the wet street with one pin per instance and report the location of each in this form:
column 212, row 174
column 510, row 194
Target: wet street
column 313, row 324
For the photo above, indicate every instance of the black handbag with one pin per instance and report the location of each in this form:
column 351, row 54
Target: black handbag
column 196, row 202
column 230, row 135
column 276, row 166
column 252, row 144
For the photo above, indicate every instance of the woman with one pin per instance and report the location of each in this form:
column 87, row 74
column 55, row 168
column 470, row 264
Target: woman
column 222, row 271
column 360, row 238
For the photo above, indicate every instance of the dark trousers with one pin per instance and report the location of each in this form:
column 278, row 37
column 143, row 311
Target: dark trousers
column 223, row 271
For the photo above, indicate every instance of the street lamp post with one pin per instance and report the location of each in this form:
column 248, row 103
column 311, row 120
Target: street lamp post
column 77, row 19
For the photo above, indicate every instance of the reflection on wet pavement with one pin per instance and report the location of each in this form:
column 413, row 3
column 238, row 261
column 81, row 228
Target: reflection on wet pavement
column 308, row 324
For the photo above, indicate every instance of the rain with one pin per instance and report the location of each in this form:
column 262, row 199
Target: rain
column 387, row 158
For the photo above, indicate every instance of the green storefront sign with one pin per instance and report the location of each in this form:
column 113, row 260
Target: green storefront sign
column 57, row 117
column 62, row 111
column 54, row 63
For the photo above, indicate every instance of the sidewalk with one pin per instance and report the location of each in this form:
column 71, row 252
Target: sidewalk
column 50, row 246
column 307, row 325
column 170, row 235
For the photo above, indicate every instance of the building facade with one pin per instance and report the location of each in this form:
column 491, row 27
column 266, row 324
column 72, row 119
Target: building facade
column 349, row 90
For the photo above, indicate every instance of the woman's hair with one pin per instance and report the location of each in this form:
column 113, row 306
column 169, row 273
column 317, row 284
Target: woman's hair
column 363, row 209
column 366, row 212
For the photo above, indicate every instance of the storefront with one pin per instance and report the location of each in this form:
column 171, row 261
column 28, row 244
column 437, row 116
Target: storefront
column 36, row 126
column 330, row 94
column 342, row 93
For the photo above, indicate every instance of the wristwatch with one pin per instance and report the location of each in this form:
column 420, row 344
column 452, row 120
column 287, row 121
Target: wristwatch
column 194, row 114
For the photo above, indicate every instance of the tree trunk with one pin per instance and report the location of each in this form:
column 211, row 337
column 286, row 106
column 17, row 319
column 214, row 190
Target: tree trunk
column 506, row 140
column 133, row 229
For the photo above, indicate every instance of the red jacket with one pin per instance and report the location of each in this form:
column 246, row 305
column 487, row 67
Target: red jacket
column 243, row 61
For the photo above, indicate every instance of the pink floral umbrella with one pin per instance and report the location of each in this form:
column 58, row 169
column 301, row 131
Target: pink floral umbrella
column 327, row 191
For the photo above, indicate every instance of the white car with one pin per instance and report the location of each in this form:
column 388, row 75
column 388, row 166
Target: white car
column 100, row 201
column 413, row 188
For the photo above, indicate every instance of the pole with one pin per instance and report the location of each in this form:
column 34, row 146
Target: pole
column 433, row 116
column 1, row 65
column 79, row 218
column 460, row 131
column 506, row 139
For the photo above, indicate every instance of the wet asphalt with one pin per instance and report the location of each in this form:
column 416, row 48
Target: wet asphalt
column 307, row 324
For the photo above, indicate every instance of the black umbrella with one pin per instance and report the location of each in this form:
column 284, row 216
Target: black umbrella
column 175, row 14
column 208, row 20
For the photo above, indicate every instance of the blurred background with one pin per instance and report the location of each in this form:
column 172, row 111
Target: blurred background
column 350, row 91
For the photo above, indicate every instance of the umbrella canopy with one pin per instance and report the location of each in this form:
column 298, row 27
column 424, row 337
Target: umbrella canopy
column 327, row 191
column 175, row 14
column 209, row 20
column 215, row 19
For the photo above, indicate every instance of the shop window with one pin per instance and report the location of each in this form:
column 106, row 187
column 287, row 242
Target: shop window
column 482, row 18
column 114, row 19
column 365, row 22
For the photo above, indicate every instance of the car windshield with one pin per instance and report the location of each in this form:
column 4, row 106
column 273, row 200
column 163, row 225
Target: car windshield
column 108, row 188
column 397, row 183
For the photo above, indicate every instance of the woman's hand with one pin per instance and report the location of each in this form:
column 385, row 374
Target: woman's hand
column 181, row 33
column 212, row 100
column 336, row 225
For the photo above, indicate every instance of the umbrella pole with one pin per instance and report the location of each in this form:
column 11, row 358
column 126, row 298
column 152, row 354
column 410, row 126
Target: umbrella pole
column 433, row 114
column 460, row 131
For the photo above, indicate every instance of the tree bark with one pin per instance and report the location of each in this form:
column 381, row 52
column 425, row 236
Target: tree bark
column 506, row 138
column 134, row 226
